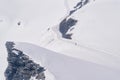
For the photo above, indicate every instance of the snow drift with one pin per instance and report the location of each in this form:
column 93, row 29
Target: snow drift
column 67, row 68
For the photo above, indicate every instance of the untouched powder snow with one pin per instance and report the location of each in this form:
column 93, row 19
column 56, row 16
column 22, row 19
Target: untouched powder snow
column 63, row 67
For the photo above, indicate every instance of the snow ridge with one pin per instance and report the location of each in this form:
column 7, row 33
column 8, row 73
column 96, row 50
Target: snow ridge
column 20, row 67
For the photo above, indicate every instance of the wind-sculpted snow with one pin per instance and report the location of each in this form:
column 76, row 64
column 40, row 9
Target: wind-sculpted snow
column 20, row 67
column 67, row 68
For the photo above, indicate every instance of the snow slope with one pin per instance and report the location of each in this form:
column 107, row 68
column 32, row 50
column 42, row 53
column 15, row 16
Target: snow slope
column 95, row 36
column 38, row 14
column 93, row 43
column 63, row 67
column 98, row 26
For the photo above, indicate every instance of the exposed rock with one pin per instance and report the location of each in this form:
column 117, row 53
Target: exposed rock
column 19, row 23
column 68, row 22
column 78, row 6
column 20, row 67
column 65, row 25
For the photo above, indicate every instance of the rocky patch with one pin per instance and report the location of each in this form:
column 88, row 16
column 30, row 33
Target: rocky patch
column 20, row 67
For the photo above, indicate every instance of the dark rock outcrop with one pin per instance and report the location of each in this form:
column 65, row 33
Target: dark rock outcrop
column 78, row 6
column 20, row 67
column 65, row 25
column 68, row 22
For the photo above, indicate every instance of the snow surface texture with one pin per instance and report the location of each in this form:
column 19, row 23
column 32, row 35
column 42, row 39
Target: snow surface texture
column 95, row 36
column 67, row 68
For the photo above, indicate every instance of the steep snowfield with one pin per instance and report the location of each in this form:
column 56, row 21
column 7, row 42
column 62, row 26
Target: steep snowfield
column 40, row 13
column 98, row 26
column 63, row 67
column 32, row 14
column 95, row 36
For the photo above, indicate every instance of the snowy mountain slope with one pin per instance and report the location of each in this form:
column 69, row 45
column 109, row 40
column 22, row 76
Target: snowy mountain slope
column 82, row 37
column 27, row 12
column 37, row 14
column 95, row 36
column 63, row 67
column 98, row 40
column 98, row 26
